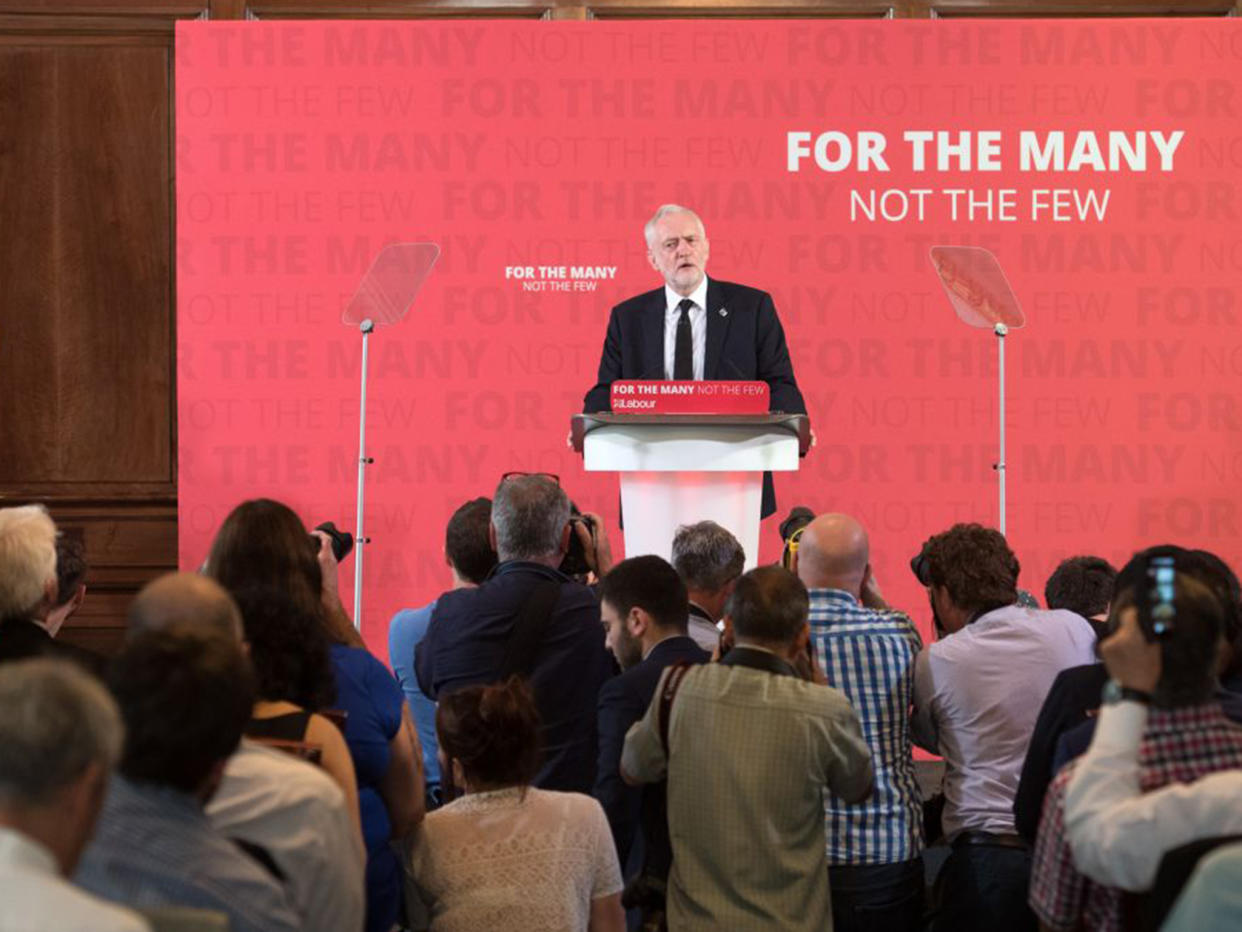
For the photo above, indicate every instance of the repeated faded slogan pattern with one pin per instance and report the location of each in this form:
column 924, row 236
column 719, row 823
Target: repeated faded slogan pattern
column 869, row 655
column 534, row 152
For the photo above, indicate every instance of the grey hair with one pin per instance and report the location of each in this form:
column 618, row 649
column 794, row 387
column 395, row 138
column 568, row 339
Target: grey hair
column 706, row 556
column 55, row 720
column 661, row 212
column 529, row 513
column 27, row 558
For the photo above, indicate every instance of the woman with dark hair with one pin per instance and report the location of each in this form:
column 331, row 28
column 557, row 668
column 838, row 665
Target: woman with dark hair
column 289, row 653
column 507, row 855
column 264, row 542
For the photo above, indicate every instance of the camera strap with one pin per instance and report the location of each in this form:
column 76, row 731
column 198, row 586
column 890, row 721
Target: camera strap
column 676, row 673
column 528, row 630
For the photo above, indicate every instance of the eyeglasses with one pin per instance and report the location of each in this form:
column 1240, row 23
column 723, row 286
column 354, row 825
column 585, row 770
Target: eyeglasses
column 551, row 477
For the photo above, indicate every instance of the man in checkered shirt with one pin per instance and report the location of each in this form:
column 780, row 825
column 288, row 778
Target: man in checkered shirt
column 1187, row 737
column 875, row 863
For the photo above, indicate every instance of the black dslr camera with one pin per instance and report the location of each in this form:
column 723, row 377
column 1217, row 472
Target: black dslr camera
column 575, row 562
column 342, row 541
column 921, row 567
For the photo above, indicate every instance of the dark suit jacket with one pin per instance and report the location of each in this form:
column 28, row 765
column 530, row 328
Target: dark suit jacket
column 1074, row 743
column 1075, row 695
column 22, row 639
column 623, row 700
column 465, row 645
column 746, row 343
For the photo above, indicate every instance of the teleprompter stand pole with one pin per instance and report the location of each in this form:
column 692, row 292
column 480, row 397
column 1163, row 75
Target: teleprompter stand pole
column 365, row 328
column 1001, row 332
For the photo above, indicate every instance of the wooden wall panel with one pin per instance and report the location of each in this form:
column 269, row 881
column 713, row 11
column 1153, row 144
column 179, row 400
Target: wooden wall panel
column 86, row 347
column 1082, row 8
column 27, row 263
column 114, row 270
column 126, row 546
column 769, row 9
column 86, row 308
column 401, row 9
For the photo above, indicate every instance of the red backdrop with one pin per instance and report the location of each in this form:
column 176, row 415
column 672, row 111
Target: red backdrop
column 303, row 148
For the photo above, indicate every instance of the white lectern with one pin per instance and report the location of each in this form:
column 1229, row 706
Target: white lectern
column 677, row 469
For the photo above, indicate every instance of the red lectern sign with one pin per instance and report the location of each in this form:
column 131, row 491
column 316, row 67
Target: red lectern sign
column 689, row 397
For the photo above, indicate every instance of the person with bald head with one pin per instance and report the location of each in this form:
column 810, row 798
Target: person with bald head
column 305, row 818
column 867, row 651
column 184, row 598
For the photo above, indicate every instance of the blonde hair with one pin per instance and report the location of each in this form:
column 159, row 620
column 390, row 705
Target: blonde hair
column 27, row 559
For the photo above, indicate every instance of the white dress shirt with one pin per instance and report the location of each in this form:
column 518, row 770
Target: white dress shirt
column 1120, row 834
column 34, row 897
column 703, row 631
column 698, row 328
column 977, row 693
column 297, row 813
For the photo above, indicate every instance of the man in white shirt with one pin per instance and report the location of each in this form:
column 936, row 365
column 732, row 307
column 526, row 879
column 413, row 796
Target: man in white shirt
column 1118, row 833
column 977, row 692
column 709, row 560
column 297, row 814
column 61, row 734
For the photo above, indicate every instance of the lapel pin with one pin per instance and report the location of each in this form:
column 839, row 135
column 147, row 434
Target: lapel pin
column 724, row 312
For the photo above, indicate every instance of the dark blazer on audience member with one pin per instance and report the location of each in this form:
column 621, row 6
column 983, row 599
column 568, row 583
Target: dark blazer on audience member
column 1075, row 695
column 21, row 639
column 622, row 702
column 465, row 645
column 1074, row 742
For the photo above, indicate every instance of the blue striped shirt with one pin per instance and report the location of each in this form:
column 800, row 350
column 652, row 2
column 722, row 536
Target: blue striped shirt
column 153, row 846
column 869, row 655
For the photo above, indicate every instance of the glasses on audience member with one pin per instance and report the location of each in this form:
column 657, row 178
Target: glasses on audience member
column 551, row 477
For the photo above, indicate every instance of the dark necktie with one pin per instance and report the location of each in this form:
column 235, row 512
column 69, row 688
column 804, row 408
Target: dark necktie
column 683, row 354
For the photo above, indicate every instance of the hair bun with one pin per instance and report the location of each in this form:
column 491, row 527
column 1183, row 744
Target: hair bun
column 493, row 730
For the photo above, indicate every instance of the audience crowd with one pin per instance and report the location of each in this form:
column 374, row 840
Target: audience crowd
column 561, row 743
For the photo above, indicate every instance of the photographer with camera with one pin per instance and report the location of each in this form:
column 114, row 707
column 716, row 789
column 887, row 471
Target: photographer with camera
column 977, row 692
column 532, row 619
column 1162, row 702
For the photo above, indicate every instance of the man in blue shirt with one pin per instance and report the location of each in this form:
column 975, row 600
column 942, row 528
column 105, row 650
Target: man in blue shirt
column 185, row 693
column 470, row 559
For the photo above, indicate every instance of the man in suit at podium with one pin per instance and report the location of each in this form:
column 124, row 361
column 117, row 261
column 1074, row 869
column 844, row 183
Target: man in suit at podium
column 695, row 327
